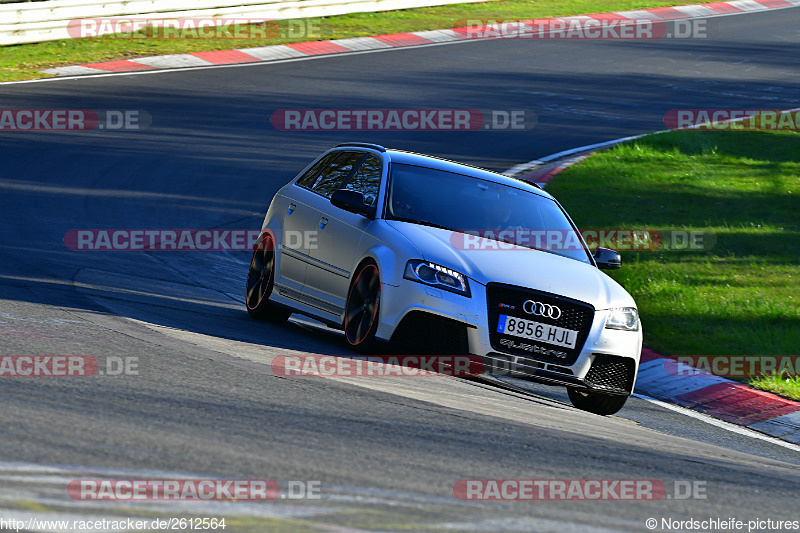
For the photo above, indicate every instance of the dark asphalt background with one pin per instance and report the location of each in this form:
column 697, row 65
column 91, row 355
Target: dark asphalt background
column 205, row 401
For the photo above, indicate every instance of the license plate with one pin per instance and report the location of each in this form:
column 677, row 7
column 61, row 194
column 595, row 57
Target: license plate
column 528, row 329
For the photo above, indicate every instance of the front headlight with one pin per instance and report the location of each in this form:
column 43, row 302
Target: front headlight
column 626, row 318
column 437, row 276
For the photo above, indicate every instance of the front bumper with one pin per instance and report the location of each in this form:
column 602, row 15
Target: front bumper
column 431, row 321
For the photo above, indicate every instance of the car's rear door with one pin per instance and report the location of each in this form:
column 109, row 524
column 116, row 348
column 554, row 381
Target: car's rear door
column 308, row 223
column 340, row 234
column 299, row 226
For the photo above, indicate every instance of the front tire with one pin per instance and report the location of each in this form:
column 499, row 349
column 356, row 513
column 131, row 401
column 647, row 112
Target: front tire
column 261, row 279
column 593, row 402
column 361, row 310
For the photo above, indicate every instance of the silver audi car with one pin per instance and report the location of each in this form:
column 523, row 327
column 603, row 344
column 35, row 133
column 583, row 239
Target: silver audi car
column 445, row 258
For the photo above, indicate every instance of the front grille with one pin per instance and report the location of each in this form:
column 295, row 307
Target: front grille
column 611, row 373
column 429, row 334
column 509, row 300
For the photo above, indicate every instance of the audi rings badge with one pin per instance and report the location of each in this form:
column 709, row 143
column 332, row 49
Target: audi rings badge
column 540, row 309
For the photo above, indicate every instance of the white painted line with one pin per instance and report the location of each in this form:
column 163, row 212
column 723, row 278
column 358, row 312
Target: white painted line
column 638, row 14
column 576, row 18
column 588, row 147
column 442, row 36
column 513, row 171
column 172, row 61
column 272, row 53
column 361, row 43
column 697, row 11
column 719, row 423
column 74, row 70
column 523, row 167
column 748, row 5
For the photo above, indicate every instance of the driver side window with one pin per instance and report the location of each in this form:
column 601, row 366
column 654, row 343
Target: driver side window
column 334, row 174
column 308, row 179
column 367, row 179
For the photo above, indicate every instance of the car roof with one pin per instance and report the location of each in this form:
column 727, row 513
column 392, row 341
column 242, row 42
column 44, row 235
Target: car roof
column 437, row 163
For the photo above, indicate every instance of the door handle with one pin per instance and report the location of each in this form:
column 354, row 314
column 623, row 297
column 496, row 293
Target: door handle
column 292, row 207
column 323, row 222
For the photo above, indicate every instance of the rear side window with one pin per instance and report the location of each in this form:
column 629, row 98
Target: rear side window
column 307, row 179
column 367, row 179
column 335, row 173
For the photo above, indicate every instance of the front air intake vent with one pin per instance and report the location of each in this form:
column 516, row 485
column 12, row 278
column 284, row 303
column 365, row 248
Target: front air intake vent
column 611, row 373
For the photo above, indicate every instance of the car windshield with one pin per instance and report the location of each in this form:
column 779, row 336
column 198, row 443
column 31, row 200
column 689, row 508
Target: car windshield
column 478, row 209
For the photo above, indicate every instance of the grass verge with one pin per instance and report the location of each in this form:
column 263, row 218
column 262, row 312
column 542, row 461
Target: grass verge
column 26, row 61
column 742, row 296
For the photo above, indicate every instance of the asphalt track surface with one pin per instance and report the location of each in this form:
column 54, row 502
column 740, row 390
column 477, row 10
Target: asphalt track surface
column 386, row 451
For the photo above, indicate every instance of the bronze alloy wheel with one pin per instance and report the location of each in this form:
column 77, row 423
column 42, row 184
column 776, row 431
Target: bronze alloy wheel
column 363, row 303
column 260, row 280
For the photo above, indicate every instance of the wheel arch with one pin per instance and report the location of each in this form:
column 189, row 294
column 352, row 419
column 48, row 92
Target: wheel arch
column 391, row 264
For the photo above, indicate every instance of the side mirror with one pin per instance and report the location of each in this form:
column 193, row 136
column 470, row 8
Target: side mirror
column 607, row 259
column 352, row 201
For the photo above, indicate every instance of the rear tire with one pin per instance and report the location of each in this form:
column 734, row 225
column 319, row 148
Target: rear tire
column 361, row 310
column 261, row 279
column 593, row 402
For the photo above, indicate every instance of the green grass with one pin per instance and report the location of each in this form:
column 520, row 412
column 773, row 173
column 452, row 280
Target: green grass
column 741, row 297
column 27, row 60
column 788, row 387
